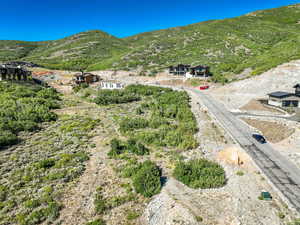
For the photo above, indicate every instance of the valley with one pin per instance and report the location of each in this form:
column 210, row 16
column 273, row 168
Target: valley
column 80, row 140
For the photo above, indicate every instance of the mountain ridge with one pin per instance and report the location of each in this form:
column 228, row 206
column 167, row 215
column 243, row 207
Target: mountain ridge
column 257, row 41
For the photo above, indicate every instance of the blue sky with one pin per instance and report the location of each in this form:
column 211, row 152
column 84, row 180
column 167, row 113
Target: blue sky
column 36, row 20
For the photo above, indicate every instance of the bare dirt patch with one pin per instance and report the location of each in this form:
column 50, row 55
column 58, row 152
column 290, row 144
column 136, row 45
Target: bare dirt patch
column 235, row 156
column 273, row 131
column 256, row 105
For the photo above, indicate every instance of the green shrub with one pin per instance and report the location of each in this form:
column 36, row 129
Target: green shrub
column 3, row 193
column 146, row 180
column 117, row 148
column 132, row 215
column 295, row 222
column 240, row 173
column 22, row 108
column 7, row 138
column 130, row 124
column 32, row 203
column 107, row 97
column 46, row 163
column 281, row 215
column 136, row 147
column 199, row 218
column 131, row 146
column 200, row 173
column 77, row 88
column 96, row 222
column 100, row 203
column 172, row 121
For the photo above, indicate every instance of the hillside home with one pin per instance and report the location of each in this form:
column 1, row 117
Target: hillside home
column 87, row 78
column 111, row 85
column 188, row 71
column 285, row 99
column 180, row 69
column 200, row 71
column 8, row 72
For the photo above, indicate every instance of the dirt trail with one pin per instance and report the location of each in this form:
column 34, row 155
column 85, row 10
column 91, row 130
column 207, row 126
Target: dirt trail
column 78, row 201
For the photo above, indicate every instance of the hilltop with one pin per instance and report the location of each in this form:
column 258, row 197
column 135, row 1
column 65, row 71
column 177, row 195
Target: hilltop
column 254, row 43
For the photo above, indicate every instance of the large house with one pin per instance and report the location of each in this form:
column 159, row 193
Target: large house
column 200, row 71
column 8, row 72
column 189, row 71
column 285, row 99
column 180, row 69
column 87, row 78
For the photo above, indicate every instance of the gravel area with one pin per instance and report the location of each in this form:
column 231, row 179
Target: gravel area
column 237, row 94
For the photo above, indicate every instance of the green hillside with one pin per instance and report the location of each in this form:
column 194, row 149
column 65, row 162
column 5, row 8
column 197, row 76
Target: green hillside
column 10, row 50
column 257, row 41
column 89, row 47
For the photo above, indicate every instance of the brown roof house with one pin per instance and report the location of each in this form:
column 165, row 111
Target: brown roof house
column 87, row 78
column 285, row 99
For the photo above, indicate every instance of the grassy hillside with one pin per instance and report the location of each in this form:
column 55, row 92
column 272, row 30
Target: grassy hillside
column 257, row 41
column 10, row 50
column 88, row 47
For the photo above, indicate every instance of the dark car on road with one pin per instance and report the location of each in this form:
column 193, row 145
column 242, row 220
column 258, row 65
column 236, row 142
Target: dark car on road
column 259, row 138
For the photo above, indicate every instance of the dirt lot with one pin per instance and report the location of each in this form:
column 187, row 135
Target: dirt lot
column 273, row 131
column 256, row 105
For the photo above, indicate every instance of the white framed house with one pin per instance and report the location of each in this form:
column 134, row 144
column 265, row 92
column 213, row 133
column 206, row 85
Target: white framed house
column 285, row 99
column 111, row 85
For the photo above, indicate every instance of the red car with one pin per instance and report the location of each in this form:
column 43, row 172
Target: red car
column 204, row 87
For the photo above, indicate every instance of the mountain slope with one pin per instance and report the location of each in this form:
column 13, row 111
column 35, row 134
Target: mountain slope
column 257, row 42
column 86, row 47
column 90, row 47
column 10, row 50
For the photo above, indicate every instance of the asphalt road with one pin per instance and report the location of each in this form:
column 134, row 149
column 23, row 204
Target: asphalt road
column 284, row 175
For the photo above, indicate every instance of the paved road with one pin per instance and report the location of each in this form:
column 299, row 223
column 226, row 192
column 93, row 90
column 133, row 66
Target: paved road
column 280, row 171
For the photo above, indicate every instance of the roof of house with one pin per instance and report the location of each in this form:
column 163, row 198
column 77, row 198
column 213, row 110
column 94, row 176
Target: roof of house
column 200, row 66
column 84, row 74
column 297, row 86
column 280, row 94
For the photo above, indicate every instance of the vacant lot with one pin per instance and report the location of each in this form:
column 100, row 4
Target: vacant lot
column 273, row 131
column 257, row 106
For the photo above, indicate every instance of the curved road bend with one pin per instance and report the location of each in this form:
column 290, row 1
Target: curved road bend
column 280, row 171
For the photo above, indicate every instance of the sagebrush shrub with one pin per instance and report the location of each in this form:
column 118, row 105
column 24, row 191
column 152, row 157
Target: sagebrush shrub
column 200, row 173
column 147, row 179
